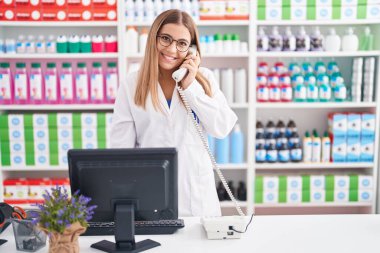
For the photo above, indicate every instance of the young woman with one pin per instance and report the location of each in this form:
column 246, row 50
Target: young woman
column 149, row 112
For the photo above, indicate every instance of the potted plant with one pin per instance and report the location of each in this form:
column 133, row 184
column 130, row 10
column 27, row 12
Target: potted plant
column 64, row 218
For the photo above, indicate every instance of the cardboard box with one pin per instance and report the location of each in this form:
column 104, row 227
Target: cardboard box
column 317, row 196
column 104, row 3
column 338, row 124
column 365, row 182
column 294, row 196
column 53, row 14
column 324, row 12
column 354, row 125
column 298, row 12
column 79, row 14
column 18, row 159
column 317, row 182
column 16, row 134
column 54, row 3
column 339, row 150
column 341, row 182
column 42, row 159
column 271, row 183
column 104, row 14
column 28, row 14
column 89, row 120
column 40, row 121
column 64, row 120
column 353, row 149
column 238, row 10
column 212, row 10
column 16, row 191
column 368, row 125
column 65, row 134
column 349, row 12
column 365, row 195
column 270, row 197
column 341, row 195
column 367, row 149
column 37, row 188
column 294, row 183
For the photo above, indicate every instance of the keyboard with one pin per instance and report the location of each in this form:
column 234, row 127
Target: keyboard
column 159, row 227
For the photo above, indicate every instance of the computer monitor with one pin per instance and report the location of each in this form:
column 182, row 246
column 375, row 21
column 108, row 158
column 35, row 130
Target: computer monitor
column 126, row 185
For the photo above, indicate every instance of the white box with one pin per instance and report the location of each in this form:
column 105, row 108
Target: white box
column 65, row 134
column 271, row 183
column 15, row 121
column 338, row 124
column 272, row 3
column 323, row 12
column 373, row 11
column 294, row 183
column 339, row 150
column 273, row 13
column 17, row 159
column 64, row 120
column 108, row 119
column 89, row 120
column 348, row 12
column 317, row 182
column 270, row 197
column 341, row 195
column 41, row 134
column 16, row 134
column 90, row 144
column 365, row 195
column 354, row 125
column 41, row 146
column 341, row 182
column 349, row 2
column 365, row 182
column 89, row 134
column 64, row 146
column 298, row 13
column 294, row 196
column 353, row 149
column 41, row 159
column 62, row 159
column 317, row 196
column 17, row 147
column 367, row 146
column 368, row 125
column 40, row 120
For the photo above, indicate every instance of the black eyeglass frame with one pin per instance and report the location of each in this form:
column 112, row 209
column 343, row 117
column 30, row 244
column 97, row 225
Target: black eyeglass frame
column 172, row 40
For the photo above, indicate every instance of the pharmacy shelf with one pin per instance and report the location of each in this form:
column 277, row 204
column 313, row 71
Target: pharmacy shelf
column 231, row 166
column 33, row 168
column 317, row 22
column 298, row 166
column 60, row 56
column 231, row 204
column 317, row 54
column 199, row 23
column 233, row 55
column 59, row 23
column 305, row 105
column 301, row 205
column 239, row 106
column 57, row 107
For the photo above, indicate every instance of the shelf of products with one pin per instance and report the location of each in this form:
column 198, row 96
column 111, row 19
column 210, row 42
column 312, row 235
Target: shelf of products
column 320, row 166
column 61, row 56
column 329, row 105
column 58, row 24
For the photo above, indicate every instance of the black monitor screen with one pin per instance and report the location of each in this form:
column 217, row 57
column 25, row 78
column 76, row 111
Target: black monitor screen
column 145, row 177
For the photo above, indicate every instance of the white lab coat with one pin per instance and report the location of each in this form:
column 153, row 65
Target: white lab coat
column 132, row 126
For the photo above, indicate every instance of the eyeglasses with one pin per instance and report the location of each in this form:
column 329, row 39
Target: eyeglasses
column 166, row 40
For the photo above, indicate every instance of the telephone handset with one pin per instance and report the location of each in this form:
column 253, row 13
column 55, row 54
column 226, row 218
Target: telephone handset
column 178, row 75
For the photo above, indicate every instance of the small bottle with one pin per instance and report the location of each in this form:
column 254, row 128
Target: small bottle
column 263, row 69
column 281, row 139
column 6, row 89
column 307, row 148
column 158, row 7
column 242, row 191
column 139, row 11
column 326, row 148
column 350, row 41
column 110, row 44
column 283, row 153
column 82, row 84
column 316, row 150
column 262, row 40
column 30, row 46
column 261, row 154
column 97, row 83
column 227, row 43
column 51, row 84
column 286, row 92
column 221, row 191
column 294, row 69
column 272, row 153
column 10, row 46
column 280, row 128
column 195, row 10
column 62, row 44
column 132, row 38
column 302, row 40
column 143, row 40
column 270, row 128
column 74, row 44
column 312, row 90
column 340, row 90
column 51, row 45
column 289, row 42
column 167, row 5
column 130, row 10
column 262, row 93
column 235, row 43
column 176, row 4
column 300, row 92
column 366, row 40
column 307, row 68
column 332, row 43
column 21, row 84
column 316, row 40
column 21, row 44
column 324, row 92
column 332, row 67
column 97, row 44
column 111, row 82
column 41, row 45
column 275, row 40
column 270, row 139
column 274, row 88
column 293, row 139
column 296, row 153
column 85, row 44
column 148, row 10
column 233, row 190
column 320, row 68
column 237, row 145
column 260, row 134
column 291, row 128
column 35, row 84
column 66, row 84
column 296, row 79
column 218, row 40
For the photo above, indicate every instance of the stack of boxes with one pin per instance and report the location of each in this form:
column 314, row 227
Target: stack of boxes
column 223, row 9
column 352, row 136
column 362, row 89
column 44, row 139
column 313, row 189
column 318, row 9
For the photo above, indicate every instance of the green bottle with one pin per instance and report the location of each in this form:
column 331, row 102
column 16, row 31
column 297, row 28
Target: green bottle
column 366, row 40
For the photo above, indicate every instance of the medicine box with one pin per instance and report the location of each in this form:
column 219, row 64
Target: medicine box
column 354, row 125
column 341, row 182
column 89, row 120
column 15, row 121
column 317, row 195
column 293, row 196
column 324, row 2
column 294, row 183
column 65, row 133
column 317, row 182
column 16, row 134
column 211, row 10
column 237, row 10
column 15, row 191
column 17, row 147
column 368, row 125
column 37, row 188
column 365, row 182
column 270, row 197
column 367, row 149
column 64, row 120
column 339, row 150
column 323, row 12
column 41, row 159
column 40, row 121
column 17, row 159
column 353, row 149
column 373, row 11
column 271, row 183
column 90, row 144
column 298, row 12
column 365, row 195
column 41, row 134
column 341, row 195
column 348, row 12
column 338, row 124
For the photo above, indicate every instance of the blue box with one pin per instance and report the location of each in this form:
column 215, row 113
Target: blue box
column 367, row 149
column 354, row 125
column 368, row 125
column 353, row 149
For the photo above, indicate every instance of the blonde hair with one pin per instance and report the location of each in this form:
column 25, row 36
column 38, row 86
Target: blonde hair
column 148, row 75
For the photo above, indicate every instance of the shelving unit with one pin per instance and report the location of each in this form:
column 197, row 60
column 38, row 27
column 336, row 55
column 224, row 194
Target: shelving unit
column 248, row 113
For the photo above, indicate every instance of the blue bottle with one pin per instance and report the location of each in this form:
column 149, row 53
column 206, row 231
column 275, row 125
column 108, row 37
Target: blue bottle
column 223, row 150
column 237, row 145
column 272, row 154
column 283, row 153
column 211, row 144
column 261, row 154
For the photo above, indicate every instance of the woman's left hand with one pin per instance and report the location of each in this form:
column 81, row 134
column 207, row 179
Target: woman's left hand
column 191, row 62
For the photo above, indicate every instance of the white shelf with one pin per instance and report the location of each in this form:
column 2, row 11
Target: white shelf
column 297, row 166
column 316, row 54
column 303, row 205
column 317, row 22
column 199, row 23
column 230, row 204
column 58, row 23
column 239, row 106
column 57, row 107
column 306, row 105
column 33, row 168
column 231, row 166
column 60, row 56
column 237, row 55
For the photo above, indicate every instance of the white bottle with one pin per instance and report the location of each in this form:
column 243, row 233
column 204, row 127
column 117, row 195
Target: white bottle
column 240, row 86
column 307, row 148
column 167, row 5
column 176, row 4
column 130, row 10
column 227, row 84
column 316, row 156
column 142, row 41
column 316, row 40
column 158, row 7
column 51, row 45
column 326, row 148
column 289, row 42
column 275, row 40
column 30, row 46
column 139, row 10
column 262, row 40
column 350, row 41
column 148, row 10
column 332, row 43
column 21, row 44
column 41, row 45
column 131, row 40
column 302, row 40
column 195, row 9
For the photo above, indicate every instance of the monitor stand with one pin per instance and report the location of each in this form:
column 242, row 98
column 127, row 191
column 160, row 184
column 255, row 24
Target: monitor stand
column 125, row 234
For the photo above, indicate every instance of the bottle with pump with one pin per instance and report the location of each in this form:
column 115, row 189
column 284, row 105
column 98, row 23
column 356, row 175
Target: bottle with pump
column 366, row 40
column 51, row 45
column 242, row 191
column 289, row 42
column 307, row 148
column 35, row 84
column 237, row 145
column 167, row 5
column 326, row 148
column 30, row 46
column 111, row 82
column 82, row 90
column 302, row 40
column 177, row 4
column 21, row 84
column 195, row 10
column 51, row 84
column 300, row 92
column 324, row 91
column 275, row 40
column 316, row 150
column 6, row 89
column 21, row 44
column 139, row 11
column 66, row 84
column 158, row 7
column 350, row 41
column 333, row 42
column 148, row 10
column 262, row 40
column 41, row 45
column 316, row 40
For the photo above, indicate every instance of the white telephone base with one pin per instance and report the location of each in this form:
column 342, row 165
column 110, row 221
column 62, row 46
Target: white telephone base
column 218, row 228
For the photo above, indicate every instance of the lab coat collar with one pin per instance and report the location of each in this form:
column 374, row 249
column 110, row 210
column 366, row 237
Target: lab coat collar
column 164, row 103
